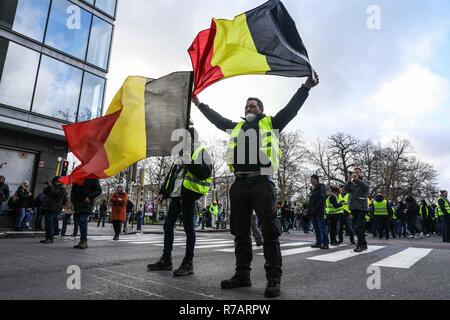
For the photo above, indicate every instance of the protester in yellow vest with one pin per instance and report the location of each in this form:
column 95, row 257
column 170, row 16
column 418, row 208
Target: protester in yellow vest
column 187, row 181
column 345, row 220
column 253, row 163
column 214, row 211
column 381, row 211
column 444, row 214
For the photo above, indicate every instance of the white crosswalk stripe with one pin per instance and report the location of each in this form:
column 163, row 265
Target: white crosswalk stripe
column 224, row 243
column 344, row 254
column 404, row 259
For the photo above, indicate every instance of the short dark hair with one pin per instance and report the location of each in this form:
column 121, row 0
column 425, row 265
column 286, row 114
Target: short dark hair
column 315, row 176
column 258, row 102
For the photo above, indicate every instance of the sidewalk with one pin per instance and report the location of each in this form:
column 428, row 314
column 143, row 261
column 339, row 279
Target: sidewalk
column 94, row 231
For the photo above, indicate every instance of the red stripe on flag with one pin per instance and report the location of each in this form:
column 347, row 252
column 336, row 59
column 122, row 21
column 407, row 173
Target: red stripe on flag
column 87, row 140
column 201, row 53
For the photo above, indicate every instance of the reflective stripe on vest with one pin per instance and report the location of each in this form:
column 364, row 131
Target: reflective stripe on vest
column 330, row 209
column 190, row 182
column 380, row 208
column 345, row 198
column 174, row 165
column 270, row 145
column 447, row 206
column 427, row 211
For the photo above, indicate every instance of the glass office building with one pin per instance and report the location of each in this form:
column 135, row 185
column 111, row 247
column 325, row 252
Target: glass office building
column 54, row 58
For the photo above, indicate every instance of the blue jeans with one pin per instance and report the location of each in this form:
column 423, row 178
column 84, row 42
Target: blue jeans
column 175, row 207
column 50, row 224
column 83, row 223
column 20, row 218
column 321, row 231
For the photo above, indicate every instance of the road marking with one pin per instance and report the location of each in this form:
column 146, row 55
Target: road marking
column 404, row 259
column 208, row 246
column 344, row 254
column 129, row 287
column 228, row 242
column 160, row 284
column 290, row 252
column 290, row 244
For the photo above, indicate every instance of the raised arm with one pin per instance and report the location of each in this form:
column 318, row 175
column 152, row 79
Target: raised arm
column 215, row 118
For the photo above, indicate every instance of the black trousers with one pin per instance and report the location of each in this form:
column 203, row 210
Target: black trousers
column 117, row 227
column 360, row 217
column 333, row 220
column 255, row 194
column 346, row 220
column 383, row 226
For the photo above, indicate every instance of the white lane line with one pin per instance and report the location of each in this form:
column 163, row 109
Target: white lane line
column 160, row 243
column 129, row 287
column 291, row 252
column 344, row 254
column 228, row 242
column 291, row 244
column 232, row 249
column 404, row 259
column 214, row 246
column 160, row 284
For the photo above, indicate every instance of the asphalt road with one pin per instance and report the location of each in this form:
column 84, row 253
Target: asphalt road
column 410, row 269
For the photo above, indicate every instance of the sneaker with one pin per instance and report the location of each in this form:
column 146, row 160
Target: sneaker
column 81, row 245
column 325, row 247
column 236, row 282
column 412, row 237
column 185, row 269
column 364, row 247
column 47, row 241
column 427, row 235
column 116, row 238
column 162, row 264
column 272, row 289
column 358, row 249
column 334, row 244
column 315, row 246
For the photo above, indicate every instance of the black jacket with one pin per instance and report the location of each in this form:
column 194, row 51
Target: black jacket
column 55, row 197
column 90, row 189
column 4, row 193
column 279, row 122
column 24, row 200
column 411, row 208
column 130, row 206
column 359, row 192
column 317, row 198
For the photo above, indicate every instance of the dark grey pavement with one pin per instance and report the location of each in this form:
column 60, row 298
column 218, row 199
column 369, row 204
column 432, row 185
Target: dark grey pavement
column 117, row 270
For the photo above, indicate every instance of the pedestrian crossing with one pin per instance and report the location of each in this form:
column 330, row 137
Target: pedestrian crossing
column 405, row 259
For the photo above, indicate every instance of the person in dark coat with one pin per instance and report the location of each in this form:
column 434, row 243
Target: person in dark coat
column 316, row 210
column 55, row 197
column 23, row 201
column 83, row 199
column 412, row 214
column 4, row 191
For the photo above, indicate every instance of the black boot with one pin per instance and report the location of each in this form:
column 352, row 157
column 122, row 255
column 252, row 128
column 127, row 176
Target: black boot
column 236, row 282
column 162, row 264
column 186, row 268
column 272, row 289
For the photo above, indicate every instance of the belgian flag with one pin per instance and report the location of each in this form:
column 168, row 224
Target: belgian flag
column 138, row 124
column 264, row 40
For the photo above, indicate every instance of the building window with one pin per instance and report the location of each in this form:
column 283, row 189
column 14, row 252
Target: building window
column 25, row 17
column 99, row 43
column 68, row 28
column 91, row 97
column 57, row 90
column 18, row 68
column 107, row 6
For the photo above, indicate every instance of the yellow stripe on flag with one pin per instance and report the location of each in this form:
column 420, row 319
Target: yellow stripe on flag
column 129, row 131
column 234, row 49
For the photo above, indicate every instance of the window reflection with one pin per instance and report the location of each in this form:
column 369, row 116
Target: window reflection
column 99, row 44
column 57, row 90
column 68, row 28
column 107, row 6
column 18, row 68
column 91, row 97
column 25, row 16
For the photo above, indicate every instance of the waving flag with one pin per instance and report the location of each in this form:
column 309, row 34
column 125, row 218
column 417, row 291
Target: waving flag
column 138, row 124
column 264, row 40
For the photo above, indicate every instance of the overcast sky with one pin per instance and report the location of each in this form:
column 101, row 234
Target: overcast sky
column 375, row 84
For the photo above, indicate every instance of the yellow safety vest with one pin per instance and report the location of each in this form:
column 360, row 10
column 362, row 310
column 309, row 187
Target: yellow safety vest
column 345, row 198
column 447, row 206
column 270, row 145
column 330, row 209
column 190, row 182
column 380, row 208
column 427, row 210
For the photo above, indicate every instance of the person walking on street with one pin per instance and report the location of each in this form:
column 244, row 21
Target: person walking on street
column 37, row 204
column 103, row 214
column 23, row 198
column 130, row 216
column 4, row 191
column 186, row 183
column 412, row 214
column 253, row 188
column 333, row 210
column 316, row 210
column 381, row 210
column 118, row 213
column 345, row 220
column 55, row 197
column 444, row 214
column 83, row 198
column 359, row 192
